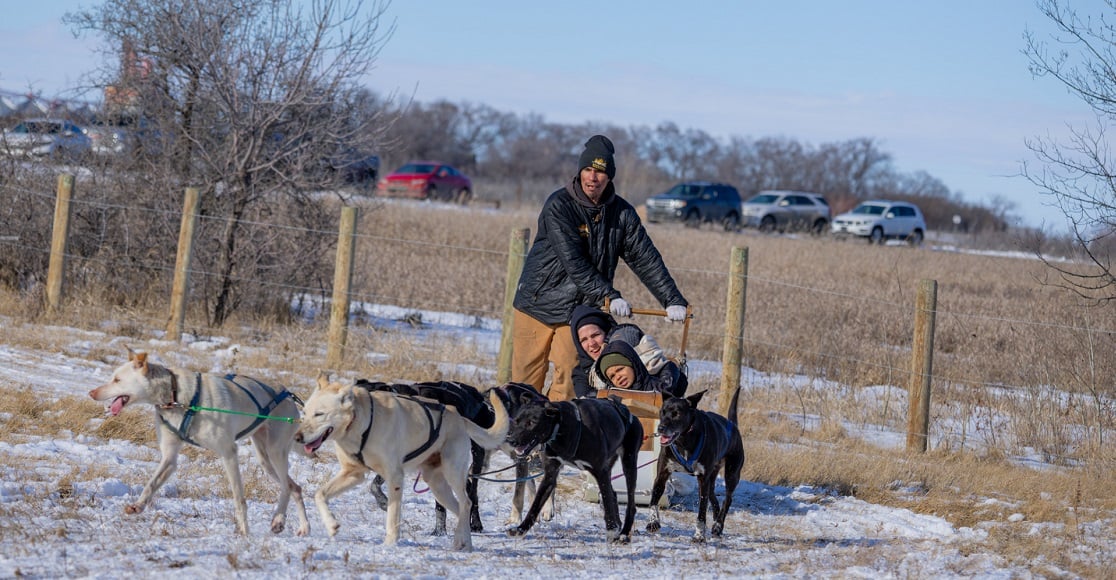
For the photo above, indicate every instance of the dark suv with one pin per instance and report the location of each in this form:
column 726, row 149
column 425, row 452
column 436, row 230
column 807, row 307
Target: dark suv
column 696, row 202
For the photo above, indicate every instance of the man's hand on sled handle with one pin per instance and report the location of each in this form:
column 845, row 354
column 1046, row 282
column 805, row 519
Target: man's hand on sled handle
column 620, row 307
column 676, row 313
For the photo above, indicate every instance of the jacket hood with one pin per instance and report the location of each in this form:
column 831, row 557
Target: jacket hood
column 584, row 314
column 642, row 378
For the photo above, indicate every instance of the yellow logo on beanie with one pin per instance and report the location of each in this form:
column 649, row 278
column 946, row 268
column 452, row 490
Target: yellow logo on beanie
column 599, row 164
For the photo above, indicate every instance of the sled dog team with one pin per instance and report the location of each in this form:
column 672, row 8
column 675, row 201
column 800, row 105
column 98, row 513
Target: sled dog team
column 441, row 429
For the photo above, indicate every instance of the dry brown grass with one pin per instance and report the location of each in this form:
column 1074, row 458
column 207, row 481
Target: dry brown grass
column 831, row 320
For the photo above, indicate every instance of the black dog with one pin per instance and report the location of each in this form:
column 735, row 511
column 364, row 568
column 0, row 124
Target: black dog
column 516, row 396
column 702, row 443
column 589, row 434
column 470, row 404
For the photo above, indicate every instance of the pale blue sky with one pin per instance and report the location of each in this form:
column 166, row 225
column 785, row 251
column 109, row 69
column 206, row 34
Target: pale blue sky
column 942, row 86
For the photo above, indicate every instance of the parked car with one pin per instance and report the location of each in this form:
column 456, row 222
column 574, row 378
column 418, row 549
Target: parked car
column 56, row 138
column 787, row 210
column 695, row 203
column 107, row 139
column 882, row 220
column 427, row 180
column 354, row 166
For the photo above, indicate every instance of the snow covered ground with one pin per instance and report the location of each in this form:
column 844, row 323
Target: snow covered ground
column 62, row 500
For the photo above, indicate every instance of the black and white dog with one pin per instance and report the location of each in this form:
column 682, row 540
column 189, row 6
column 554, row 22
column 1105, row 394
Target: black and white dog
column 589, row 434
column 701, row 443
column 470, row 404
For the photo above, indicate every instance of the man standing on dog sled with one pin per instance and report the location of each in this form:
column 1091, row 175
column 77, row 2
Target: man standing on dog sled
column 584, row 229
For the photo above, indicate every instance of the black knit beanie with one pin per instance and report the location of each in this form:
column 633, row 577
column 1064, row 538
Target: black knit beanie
column 598, row 155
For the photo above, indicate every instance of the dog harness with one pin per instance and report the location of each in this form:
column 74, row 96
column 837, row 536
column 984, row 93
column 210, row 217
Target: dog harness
column 435, row 429
column 577, row 440
column 688, row 464
column 183, row 429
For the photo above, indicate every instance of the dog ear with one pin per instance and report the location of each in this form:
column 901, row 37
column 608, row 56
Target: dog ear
column 140, row 361
column 695, row 399
column 323, row 379
column 551, row 412
column 131, row 353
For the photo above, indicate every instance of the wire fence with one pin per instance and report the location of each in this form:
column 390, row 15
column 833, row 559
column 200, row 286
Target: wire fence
column 811, row 362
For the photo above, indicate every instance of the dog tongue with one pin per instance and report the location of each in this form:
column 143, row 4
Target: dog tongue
column 665, row 440
column 117, row 405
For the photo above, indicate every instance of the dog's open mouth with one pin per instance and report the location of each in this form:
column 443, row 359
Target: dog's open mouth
column 313, row 446
column 118, row 404
column 667, row 438
column 525, row 450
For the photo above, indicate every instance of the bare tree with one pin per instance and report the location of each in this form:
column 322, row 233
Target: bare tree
column 261, row 102
column 1079, row 176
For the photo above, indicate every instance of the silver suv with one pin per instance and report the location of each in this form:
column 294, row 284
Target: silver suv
column 881, row 220
column 786, row 210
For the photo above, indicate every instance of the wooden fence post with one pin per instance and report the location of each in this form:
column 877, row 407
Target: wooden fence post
column 59, row 236
column 182, row 265
column 922, row 366
column 342, row 280
column 517, row 253
column 734, row 328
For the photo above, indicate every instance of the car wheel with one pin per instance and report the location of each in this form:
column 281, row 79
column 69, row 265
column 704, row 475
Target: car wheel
column 464, row 196
column 877, row 236
column 820, row 227
column 767, row 224
column 731, row 222
column 432, row 192
column 915, row 239
column 692, row 219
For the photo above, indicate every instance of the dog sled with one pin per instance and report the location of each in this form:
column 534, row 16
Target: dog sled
column 645, row 405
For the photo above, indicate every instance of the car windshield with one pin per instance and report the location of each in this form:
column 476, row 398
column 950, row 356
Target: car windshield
column 683, row 190
column 416, row 168
column 868, row 209
column 763, row 199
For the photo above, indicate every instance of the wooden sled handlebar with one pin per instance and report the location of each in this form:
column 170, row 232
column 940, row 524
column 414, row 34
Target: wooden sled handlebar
column 656, row 312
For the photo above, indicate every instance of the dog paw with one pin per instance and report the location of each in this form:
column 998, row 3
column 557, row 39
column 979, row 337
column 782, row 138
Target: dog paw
column 437, row 532
column 303, row 531
column 516, row 532
column 717, row 530
column 278, row 525
column 133, row 508
column 654, row 526
column 332, row 528
column 698, row 539
column 622, row 539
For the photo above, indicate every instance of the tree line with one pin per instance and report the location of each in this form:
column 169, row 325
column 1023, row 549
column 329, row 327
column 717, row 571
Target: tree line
column 525, row 157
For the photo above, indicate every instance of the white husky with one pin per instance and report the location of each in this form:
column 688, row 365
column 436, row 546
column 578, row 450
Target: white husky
column 212, row 412
column 390, row 434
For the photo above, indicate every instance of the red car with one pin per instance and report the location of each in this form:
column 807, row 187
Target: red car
column 427, row 180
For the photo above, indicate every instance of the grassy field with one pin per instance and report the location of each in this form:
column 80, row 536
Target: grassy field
column 1021, row 368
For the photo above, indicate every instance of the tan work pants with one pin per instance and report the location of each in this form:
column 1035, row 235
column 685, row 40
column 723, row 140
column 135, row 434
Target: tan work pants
column 535, row 346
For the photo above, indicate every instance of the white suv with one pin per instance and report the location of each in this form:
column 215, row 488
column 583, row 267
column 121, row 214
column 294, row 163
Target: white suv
column 882, row 220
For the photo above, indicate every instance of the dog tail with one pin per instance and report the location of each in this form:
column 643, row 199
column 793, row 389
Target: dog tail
column 733, row 409
column 495, row 435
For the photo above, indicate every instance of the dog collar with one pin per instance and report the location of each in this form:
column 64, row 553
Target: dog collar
column 174, row 393
column 183, row 430
column 689, row 463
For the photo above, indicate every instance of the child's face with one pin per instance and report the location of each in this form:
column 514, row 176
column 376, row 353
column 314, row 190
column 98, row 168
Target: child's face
column 621, row 376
